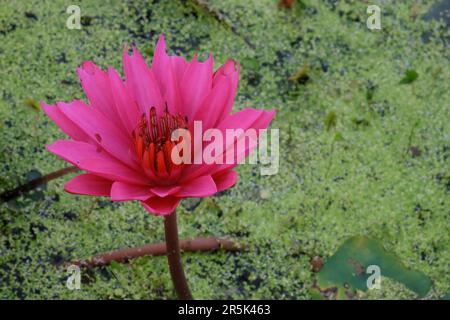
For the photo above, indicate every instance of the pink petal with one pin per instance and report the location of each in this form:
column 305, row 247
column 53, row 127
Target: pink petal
column 161, row 206
column 64, row 123
column 96, row 86
column 74, row 152
column 196, row 85
column 89, row 184
column 227, row 72
column 225, row 180
column 215, row 104
column 164, row 191
column 113, row 171
column 203, row 186
column 126, row 107
column 94, row 160
column 141, row 82
column 166, row 76
column 179, row 65
column 123, row 192
column 245, row 119
column 100, row 129
column 260, row 120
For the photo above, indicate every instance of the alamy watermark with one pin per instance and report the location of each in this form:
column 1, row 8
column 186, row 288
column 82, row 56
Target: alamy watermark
column 374, row 20
column 74, row 20
column 74, row 280
column 374, row 280
column 229, row 146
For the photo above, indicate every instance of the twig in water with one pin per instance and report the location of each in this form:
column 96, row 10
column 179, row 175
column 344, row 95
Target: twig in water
column 33, row 184
column 217, row 15
column 159, row 249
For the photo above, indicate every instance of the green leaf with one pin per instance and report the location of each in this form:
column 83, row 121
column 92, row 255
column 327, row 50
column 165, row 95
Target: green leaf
column 410, row 76
column 330, row 120
column 32, row 104
column 301, row 76
column 115, row 266
column 347, row 270
column 149, row 51
column 360, row 122
column 251, row 64
column 338, row 137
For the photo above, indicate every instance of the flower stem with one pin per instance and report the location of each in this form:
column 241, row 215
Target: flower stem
column 174, row 258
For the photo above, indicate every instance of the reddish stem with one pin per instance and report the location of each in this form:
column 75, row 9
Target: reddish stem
column 174, row 258
column 14, row 193
column 159, row 249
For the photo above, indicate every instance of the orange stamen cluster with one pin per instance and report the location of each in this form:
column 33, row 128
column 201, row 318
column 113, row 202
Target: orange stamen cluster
column 152, row 140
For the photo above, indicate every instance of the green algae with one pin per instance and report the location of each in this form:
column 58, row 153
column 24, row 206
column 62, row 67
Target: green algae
column 327, row 190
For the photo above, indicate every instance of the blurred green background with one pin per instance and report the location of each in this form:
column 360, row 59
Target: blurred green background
column 364, row 146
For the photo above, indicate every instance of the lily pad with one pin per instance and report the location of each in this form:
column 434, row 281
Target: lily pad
column 351, row 266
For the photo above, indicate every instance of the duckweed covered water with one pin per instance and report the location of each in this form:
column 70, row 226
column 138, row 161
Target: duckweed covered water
column 379, row 166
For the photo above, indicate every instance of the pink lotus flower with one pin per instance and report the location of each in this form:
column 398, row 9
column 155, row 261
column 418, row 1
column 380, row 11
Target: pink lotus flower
column 122, row 138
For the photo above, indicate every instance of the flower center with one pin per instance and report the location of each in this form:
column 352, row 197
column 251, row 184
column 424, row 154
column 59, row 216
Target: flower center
column 152, row 140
